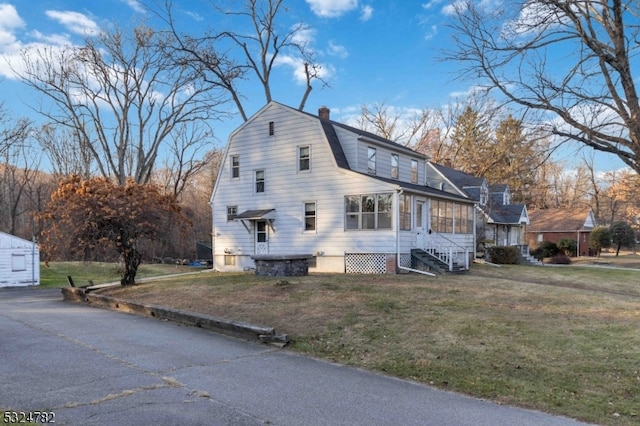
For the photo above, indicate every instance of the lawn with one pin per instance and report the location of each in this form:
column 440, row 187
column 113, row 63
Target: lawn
column 564, row 340
column 54, row 274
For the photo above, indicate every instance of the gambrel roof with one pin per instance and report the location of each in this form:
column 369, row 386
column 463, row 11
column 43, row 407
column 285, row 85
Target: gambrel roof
column 328, row 126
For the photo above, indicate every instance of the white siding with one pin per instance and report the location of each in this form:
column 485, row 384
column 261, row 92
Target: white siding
column 287, row 190
column 19, row 262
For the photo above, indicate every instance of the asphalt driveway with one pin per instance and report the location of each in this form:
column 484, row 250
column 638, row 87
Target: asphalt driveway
column 93, row 366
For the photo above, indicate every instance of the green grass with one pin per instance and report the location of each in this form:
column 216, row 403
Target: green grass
column 54, row 274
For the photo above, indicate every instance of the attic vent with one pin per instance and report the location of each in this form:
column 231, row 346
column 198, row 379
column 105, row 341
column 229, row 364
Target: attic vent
column 271, row 128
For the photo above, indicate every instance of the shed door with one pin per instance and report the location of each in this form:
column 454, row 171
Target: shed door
column 262, row 237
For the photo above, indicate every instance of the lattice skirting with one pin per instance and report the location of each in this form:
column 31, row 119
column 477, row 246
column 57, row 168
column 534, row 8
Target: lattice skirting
column 405, row 260
column 365, row 263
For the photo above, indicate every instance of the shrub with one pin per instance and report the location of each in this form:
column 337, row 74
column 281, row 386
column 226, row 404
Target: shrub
column 504, row 255
column 560, row 259
column 549, row 249
column 568, row 246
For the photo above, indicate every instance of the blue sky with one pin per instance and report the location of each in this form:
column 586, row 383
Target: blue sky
column 372, row 51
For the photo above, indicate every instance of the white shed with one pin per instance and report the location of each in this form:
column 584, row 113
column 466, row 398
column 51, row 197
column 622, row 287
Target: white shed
column 19, row 261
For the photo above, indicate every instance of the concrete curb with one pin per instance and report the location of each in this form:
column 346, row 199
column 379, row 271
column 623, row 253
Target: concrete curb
column 219, row 325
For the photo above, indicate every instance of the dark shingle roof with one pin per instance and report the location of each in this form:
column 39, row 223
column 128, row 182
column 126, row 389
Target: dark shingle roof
column 509, row 214
column 334, row 143
column 460, row 179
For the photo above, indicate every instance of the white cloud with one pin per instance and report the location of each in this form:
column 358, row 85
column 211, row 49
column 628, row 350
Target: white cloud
column 365, row 13
column 431, row 4
column 9, row 21
column 304, row 35
column 332, row 8
column 431, row 33
column 52, row 39
column 74, row 22
column 451, row 9
column 135, row 6
column 297, row 66
column 194, row 15
column 337, row 50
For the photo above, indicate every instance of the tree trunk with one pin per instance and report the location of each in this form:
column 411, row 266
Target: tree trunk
column 131, row 258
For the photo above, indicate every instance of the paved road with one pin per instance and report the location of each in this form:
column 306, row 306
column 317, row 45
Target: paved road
column 97, row 367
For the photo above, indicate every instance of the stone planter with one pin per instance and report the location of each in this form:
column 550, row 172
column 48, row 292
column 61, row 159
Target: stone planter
column 283, row 265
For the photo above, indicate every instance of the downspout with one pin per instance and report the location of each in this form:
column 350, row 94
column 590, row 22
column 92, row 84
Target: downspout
column 397, row 223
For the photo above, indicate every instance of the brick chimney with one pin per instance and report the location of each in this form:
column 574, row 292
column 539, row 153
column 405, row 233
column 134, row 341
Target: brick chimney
column 324, row 112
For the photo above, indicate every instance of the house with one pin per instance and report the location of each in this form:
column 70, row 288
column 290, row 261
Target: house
column 19, row 261
column 293, row 183
column 555, row 224
column 499, row 222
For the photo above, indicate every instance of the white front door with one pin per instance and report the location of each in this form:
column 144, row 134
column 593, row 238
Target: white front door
column 420, row 224
column 262, row 237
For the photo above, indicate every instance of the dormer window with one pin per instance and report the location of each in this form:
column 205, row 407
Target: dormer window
column 371, row 160
column 394, row 166
column 414, row 171
column 484, row 195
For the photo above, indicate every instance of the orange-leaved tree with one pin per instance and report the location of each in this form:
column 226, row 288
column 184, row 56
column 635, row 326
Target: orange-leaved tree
column 84, row 216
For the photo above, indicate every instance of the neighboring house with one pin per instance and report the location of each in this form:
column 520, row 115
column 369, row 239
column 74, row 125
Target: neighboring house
column 498, row 221
column 555, row 224
column 19, row 262
column 292, row 183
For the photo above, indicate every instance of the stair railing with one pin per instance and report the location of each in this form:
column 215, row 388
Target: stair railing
column 443, row 248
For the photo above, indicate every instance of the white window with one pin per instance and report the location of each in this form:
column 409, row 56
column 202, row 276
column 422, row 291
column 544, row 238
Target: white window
column 448, row 217
column 232, row 212
column 370, row 211
column 235, row 166
column 414, row 171
column 371, row 160
column 18, row 262
column 304, row 158
column 259, row 181
column 394, row 166
column 484, row 195
column 405, row 212
column 418, row 214
column 310, row 217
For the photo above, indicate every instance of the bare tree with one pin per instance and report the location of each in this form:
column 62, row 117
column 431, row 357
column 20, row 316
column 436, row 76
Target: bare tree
column 68, row 153
column 19, row 168
column 256, row 52
column 405, row 126
column 121, row 96
column 186, row 159
column 571, row 61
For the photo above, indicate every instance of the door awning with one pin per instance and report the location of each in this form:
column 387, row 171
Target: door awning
column 268, row 214
column 252, row 215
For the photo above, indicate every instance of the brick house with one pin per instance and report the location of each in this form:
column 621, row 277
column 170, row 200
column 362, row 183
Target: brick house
column 555, row 224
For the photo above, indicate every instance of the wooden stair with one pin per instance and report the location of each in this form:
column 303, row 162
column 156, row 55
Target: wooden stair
column 420, row 258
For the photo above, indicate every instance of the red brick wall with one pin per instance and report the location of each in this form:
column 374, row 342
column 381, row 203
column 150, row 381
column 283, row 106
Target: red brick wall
column 555, row 237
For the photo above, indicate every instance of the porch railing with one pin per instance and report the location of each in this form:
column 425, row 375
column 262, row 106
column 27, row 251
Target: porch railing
column 444, row 249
